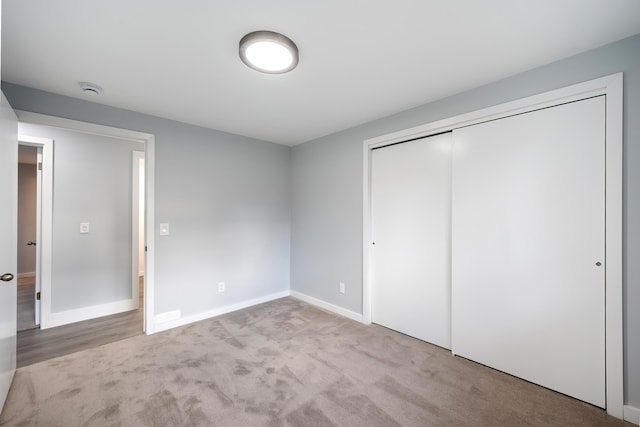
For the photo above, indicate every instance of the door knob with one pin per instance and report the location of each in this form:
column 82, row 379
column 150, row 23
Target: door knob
column 6, row 277
column 31, row 243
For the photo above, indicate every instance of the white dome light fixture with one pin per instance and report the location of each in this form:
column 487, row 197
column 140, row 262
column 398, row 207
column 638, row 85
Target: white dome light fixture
column 269, row 52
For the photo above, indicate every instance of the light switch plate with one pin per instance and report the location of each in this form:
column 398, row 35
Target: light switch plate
column 84, row 228
column 164, row 229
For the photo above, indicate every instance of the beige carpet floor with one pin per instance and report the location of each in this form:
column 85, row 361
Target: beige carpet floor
column 283, row 363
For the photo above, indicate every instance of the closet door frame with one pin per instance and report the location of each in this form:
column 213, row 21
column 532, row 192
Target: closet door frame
column 612, row 87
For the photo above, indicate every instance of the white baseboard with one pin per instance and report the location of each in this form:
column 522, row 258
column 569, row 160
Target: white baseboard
column 327, row 306
column 632, row 414
column 167, row 316
column 171, row 322
column 28, row 274
column 85, row 313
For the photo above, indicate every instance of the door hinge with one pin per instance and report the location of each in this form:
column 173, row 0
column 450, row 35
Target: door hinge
column 39, row 166
column 145, row 248
column 38, row 296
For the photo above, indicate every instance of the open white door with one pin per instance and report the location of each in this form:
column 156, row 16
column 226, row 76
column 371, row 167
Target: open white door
column 8, row 244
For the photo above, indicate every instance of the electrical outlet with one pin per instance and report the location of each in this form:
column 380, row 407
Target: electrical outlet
column 221, row 287
column 342, row 287
column 84, row 228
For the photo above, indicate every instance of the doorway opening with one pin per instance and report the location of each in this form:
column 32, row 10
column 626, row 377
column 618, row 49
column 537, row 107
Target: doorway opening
column 60, row 328
column 34, row 226
column 29, row 214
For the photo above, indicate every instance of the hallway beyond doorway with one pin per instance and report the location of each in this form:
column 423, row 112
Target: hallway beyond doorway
column 38, row 345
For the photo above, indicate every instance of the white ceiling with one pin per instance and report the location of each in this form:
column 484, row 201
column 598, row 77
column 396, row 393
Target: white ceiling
column 359, row 59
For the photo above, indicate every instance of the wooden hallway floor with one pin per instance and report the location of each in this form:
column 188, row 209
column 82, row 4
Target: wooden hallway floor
column 26, row 303
column 37, row 345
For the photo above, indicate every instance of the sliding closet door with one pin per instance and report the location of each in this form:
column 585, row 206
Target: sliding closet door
column 411, row 221
column 528, row 275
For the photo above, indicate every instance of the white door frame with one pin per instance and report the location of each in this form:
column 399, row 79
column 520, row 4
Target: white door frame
column 149, row 143
column 136, row 158
column 38, row 271
column 44, row 224
column 612, row 87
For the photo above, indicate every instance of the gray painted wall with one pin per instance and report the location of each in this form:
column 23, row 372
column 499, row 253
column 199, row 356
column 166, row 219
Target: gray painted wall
column 227, row 202
column 92, row 183
column 27, row 187
column 326, row 181
column 226, row 198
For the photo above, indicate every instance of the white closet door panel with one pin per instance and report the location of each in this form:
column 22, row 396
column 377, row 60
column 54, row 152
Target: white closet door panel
column 411, row 220
column 528, row 229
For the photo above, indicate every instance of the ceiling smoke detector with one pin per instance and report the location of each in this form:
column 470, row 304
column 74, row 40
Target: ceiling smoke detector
column 90, row 88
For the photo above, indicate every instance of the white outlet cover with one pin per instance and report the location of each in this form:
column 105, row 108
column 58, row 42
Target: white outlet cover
column 164, row 229
column 342, row 287
column 84, row 228
column 221, row 287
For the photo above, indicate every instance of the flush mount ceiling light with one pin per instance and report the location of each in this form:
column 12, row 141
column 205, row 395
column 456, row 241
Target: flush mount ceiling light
column 90, row 88
column 268, row 52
